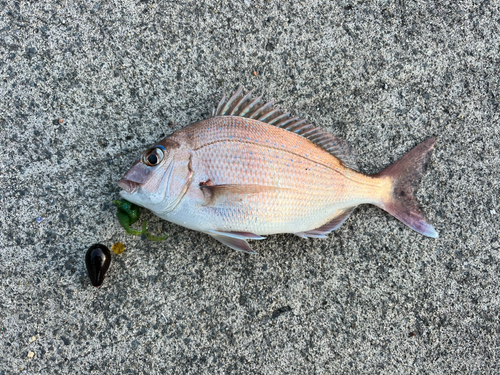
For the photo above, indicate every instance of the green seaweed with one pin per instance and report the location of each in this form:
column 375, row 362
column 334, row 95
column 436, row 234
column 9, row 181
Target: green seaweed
column 127, row 214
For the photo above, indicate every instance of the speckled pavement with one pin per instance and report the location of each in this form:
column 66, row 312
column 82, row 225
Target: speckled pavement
column 86, row 86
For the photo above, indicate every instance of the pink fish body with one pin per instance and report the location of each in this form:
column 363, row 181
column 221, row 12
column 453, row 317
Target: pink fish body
column 251, row 170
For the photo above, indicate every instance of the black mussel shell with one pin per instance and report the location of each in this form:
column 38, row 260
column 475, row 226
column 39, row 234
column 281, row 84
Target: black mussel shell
column 97, row 260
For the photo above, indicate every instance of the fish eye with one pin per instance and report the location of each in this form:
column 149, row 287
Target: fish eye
column 153, row 157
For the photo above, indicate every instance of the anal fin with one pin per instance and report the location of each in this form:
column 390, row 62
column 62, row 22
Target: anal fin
column 332, row 225
column 236, row 240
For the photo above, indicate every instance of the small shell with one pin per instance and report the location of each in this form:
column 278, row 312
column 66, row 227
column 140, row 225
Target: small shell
column 118, row 248
column 97, row 261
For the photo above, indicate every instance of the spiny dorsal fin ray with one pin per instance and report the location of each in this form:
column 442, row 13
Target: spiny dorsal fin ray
column 243, row 105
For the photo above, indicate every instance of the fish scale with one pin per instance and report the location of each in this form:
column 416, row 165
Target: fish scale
column 240, row 151
column 253, row 170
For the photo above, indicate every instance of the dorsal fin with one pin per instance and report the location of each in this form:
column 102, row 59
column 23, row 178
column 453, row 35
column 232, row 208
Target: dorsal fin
column 242, row 104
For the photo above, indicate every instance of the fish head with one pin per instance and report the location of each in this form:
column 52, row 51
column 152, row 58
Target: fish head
column 154, row 179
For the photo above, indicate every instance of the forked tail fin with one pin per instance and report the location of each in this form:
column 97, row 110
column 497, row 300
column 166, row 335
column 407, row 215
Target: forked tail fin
column 406, row 174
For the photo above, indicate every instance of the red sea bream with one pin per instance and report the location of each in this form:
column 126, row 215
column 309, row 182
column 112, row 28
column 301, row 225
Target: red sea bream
column 252, row 170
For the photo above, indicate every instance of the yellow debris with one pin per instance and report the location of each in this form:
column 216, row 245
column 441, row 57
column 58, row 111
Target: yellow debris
column 118, row 248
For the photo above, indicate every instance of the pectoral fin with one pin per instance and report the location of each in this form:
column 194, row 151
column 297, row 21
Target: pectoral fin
column 236, row 240
column 220, row 194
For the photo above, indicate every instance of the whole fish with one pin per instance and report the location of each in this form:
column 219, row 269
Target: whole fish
column 252, row 170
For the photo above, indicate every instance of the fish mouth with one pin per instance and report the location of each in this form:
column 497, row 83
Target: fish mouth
column 129, row 186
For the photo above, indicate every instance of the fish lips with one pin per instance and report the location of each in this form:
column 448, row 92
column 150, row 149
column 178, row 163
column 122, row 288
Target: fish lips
column 138, row 174
column 130, row 187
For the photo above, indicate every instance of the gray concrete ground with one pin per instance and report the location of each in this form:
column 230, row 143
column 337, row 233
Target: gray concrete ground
column 375, row 297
